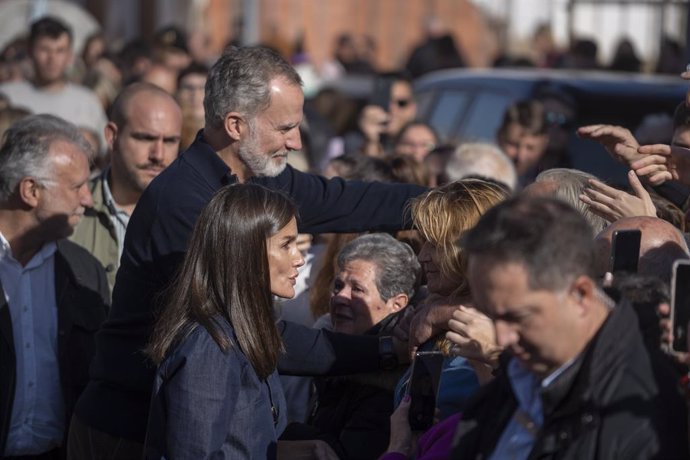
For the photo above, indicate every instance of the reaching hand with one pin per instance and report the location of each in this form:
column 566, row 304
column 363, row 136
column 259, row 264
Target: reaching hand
column 473, row 335
column 618, row 141
column 430, row 319
column 662, row 162
column 613, row 204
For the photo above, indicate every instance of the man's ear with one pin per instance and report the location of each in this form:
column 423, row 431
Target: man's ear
column 585, row 291
column 29, row 191
column 398, row 302
column 111, row 133
column 235, row 126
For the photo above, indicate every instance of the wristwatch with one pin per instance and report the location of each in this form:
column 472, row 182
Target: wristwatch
column 388, row 360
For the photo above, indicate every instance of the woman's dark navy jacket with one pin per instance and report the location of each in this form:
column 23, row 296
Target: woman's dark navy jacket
column 211, row 404
column 117, row 398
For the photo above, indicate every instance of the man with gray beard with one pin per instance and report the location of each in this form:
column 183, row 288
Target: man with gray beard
column 253, row 104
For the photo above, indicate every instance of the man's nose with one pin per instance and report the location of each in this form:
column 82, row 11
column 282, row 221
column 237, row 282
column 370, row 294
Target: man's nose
column 293, row 141
column 86, row 199
column 157, row 150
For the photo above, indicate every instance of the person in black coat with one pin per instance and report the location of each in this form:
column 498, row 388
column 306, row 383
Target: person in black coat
column 53, row 294
column 577, row 381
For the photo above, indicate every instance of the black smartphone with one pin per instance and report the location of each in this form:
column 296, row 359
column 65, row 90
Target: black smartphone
column 680, row 304
column 625, row 251
column 423, row 386
column 381, row 94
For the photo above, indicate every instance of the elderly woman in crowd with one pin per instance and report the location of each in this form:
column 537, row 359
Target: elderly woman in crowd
column 375, row 280
column 442, row 216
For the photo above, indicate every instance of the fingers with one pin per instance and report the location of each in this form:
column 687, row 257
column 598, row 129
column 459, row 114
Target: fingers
column 652, row 163
column 660, row 178
column 636, row 185
column 602, row 200
column 599, row 189
column 596, row 132
column 459, row 338
column 464, row 314
column 642, row 194
column 586, row 131
column 655, row 171
column 599, row 209
column 655, row 149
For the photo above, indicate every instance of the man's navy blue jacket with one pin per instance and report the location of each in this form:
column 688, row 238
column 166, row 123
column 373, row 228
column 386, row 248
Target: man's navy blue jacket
column 116, row 400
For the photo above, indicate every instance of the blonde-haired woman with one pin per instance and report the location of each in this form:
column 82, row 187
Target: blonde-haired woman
column 442, row 216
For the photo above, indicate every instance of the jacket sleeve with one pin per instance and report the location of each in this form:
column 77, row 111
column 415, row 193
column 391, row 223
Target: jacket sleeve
column 199, row 400
column 311, row 351
column 336, row 205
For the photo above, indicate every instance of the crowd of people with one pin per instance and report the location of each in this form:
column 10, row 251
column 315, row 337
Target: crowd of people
column 175, row 285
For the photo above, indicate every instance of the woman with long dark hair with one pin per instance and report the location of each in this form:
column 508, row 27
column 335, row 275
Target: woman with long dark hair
column 217, row 392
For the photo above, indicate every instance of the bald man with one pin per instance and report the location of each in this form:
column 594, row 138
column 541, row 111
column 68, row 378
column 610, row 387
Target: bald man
column 143, row 137
column 661, row 244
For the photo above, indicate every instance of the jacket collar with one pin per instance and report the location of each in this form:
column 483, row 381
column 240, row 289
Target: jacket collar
column 207, row 163
column 590, row 375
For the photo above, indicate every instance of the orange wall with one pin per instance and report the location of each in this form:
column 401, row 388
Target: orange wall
column 396, row 25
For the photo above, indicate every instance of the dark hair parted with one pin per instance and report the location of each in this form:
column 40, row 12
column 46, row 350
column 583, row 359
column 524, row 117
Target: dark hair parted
column 240, row 82
column 551, row 239
column 50, row 27
column 225, row 275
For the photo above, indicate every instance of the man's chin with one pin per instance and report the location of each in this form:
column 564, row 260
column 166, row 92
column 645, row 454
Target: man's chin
column 272, row 170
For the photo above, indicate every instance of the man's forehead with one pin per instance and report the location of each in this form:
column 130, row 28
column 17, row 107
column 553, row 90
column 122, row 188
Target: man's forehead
column 63, row 38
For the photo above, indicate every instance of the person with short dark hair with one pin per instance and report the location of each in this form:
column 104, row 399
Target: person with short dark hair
column 143, row 136
column 524, row 136
column 53, row 293
column 50, row 49
column 577, row 381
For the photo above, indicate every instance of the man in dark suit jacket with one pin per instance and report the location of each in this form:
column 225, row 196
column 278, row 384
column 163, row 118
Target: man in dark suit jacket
column 54, row 293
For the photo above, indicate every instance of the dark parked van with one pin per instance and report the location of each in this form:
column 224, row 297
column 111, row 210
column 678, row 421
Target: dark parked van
column 465, row 104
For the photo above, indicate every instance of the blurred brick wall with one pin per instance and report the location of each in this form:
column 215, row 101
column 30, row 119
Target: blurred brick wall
column 395, row 25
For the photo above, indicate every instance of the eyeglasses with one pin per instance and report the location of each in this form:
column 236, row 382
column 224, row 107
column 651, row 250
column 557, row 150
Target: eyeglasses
column 402, row 103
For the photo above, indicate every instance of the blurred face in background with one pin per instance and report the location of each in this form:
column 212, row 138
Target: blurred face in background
column 523, row 147
column 402, row 108
column 416, row 141
column 51, row 57
column 190, row 95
